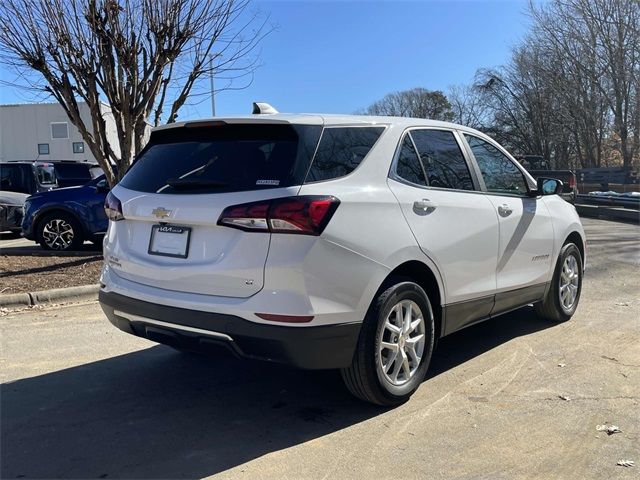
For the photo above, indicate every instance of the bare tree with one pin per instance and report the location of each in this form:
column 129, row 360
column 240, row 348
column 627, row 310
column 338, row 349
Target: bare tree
column 468, row 106
column 600, row 41
column 570, row 90
column 138, row 58
column 418, row 103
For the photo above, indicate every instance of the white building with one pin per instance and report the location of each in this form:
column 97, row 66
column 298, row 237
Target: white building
column 42, row 131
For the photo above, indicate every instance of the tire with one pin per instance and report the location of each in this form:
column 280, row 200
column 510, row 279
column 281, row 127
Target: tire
column 365, row 377
column 71, row 238
column 553, row 307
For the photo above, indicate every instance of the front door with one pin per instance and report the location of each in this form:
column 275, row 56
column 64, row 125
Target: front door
column 526, row 231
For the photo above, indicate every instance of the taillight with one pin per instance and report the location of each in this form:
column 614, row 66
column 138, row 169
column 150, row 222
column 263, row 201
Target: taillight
column 113, row 208
column 306, row 215
column 572, row 181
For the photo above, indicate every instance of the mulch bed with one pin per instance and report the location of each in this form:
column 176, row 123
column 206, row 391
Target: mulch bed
column 20, row 274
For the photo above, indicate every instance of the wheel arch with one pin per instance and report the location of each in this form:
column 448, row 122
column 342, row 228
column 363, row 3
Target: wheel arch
column 576, row 238
column 424, row 276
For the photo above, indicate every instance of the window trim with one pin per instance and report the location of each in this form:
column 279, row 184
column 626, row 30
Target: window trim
column 396, row 156
column 51, row 124
column 384, row 127
column 48, row 149
column 525, row 175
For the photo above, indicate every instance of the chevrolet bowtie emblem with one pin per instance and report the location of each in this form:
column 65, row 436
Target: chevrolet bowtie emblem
column 161, row 212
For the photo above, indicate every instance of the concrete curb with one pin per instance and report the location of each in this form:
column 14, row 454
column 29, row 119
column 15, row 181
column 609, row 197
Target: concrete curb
column 55, row 295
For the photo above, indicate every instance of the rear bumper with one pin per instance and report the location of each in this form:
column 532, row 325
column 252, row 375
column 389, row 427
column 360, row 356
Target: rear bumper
column 318, row 347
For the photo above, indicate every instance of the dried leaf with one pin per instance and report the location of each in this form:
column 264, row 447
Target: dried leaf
column 626, row 463
column 610, row 429
column 565, row 398
column 561, row 365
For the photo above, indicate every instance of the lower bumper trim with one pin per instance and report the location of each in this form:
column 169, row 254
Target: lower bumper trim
column 308, row 347
column 137, row 318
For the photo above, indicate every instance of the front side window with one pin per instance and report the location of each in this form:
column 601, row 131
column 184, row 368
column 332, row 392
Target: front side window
column 409, row 167
column 442, row 158
column 500, row 174
column 43, row 149
column 341, row 150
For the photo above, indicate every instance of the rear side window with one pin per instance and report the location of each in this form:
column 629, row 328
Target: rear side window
column 341, row 150
column 223, row 158
column 409, row 167
column 443, row 160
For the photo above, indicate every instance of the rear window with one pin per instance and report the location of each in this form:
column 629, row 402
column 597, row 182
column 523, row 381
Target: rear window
column 46, row 174
column 341, row 150
column 224, row 158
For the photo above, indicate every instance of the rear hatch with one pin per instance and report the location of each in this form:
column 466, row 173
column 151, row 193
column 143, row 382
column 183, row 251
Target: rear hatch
column 174, row 193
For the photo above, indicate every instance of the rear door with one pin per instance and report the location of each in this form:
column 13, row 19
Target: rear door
column 176, row 190
column 526, row 231
column 453, row 222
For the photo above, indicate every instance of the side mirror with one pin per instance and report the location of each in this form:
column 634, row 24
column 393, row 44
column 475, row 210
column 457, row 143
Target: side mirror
column 549, row 186
column 102, row 186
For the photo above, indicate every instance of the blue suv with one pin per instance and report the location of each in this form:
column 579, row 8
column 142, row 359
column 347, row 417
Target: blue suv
column 64, row 218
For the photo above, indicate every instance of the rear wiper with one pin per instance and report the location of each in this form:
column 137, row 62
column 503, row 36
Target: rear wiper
column 187, row 183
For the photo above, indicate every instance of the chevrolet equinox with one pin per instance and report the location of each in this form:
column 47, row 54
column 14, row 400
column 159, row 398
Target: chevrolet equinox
column 333, row 242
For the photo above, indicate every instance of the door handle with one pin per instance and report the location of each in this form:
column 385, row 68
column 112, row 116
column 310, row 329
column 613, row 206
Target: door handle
column 424, row 206
column 505, row 210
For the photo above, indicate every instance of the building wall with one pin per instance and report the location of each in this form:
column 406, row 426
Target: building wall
column 23, row 127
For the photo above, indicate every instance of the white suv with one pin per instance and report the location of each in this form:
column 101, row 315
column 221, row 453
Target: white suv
column 343, row 242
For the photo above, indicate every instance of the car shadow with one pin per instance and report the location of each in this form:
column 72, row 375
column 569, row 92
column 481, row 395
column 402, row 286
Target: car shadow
column 157, row 413
column 466, row 344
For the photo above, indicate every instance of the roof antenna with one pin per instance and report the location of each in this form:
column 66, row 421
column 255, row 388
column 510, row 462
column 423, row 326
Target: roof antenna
column 261, row 108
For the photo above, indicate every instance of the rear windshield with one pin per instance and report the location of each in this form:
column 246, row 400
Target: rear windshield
column 234, row 158
column 224, row 158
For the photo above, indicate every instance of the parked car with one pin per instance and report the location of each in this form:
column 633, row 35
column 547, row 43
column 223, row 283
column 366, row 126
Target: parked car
column 11, row 211
column 64, row 218
column 34, row 177
column 333, row 242
column 537, row 166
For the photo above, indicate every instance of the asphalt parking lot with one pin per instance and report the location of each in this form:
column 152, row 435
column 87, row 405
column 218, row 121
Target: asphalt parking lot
column 81, row 399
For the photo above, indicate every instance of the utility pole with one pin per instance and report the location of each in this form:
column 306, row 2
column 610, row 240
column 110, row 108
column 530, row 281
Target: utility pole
column 213, row 98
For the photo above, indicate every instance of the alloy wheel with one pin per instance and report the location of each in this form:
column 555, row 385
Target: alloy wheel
column 401, row 343
column 569, row 282
column 58, row 234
